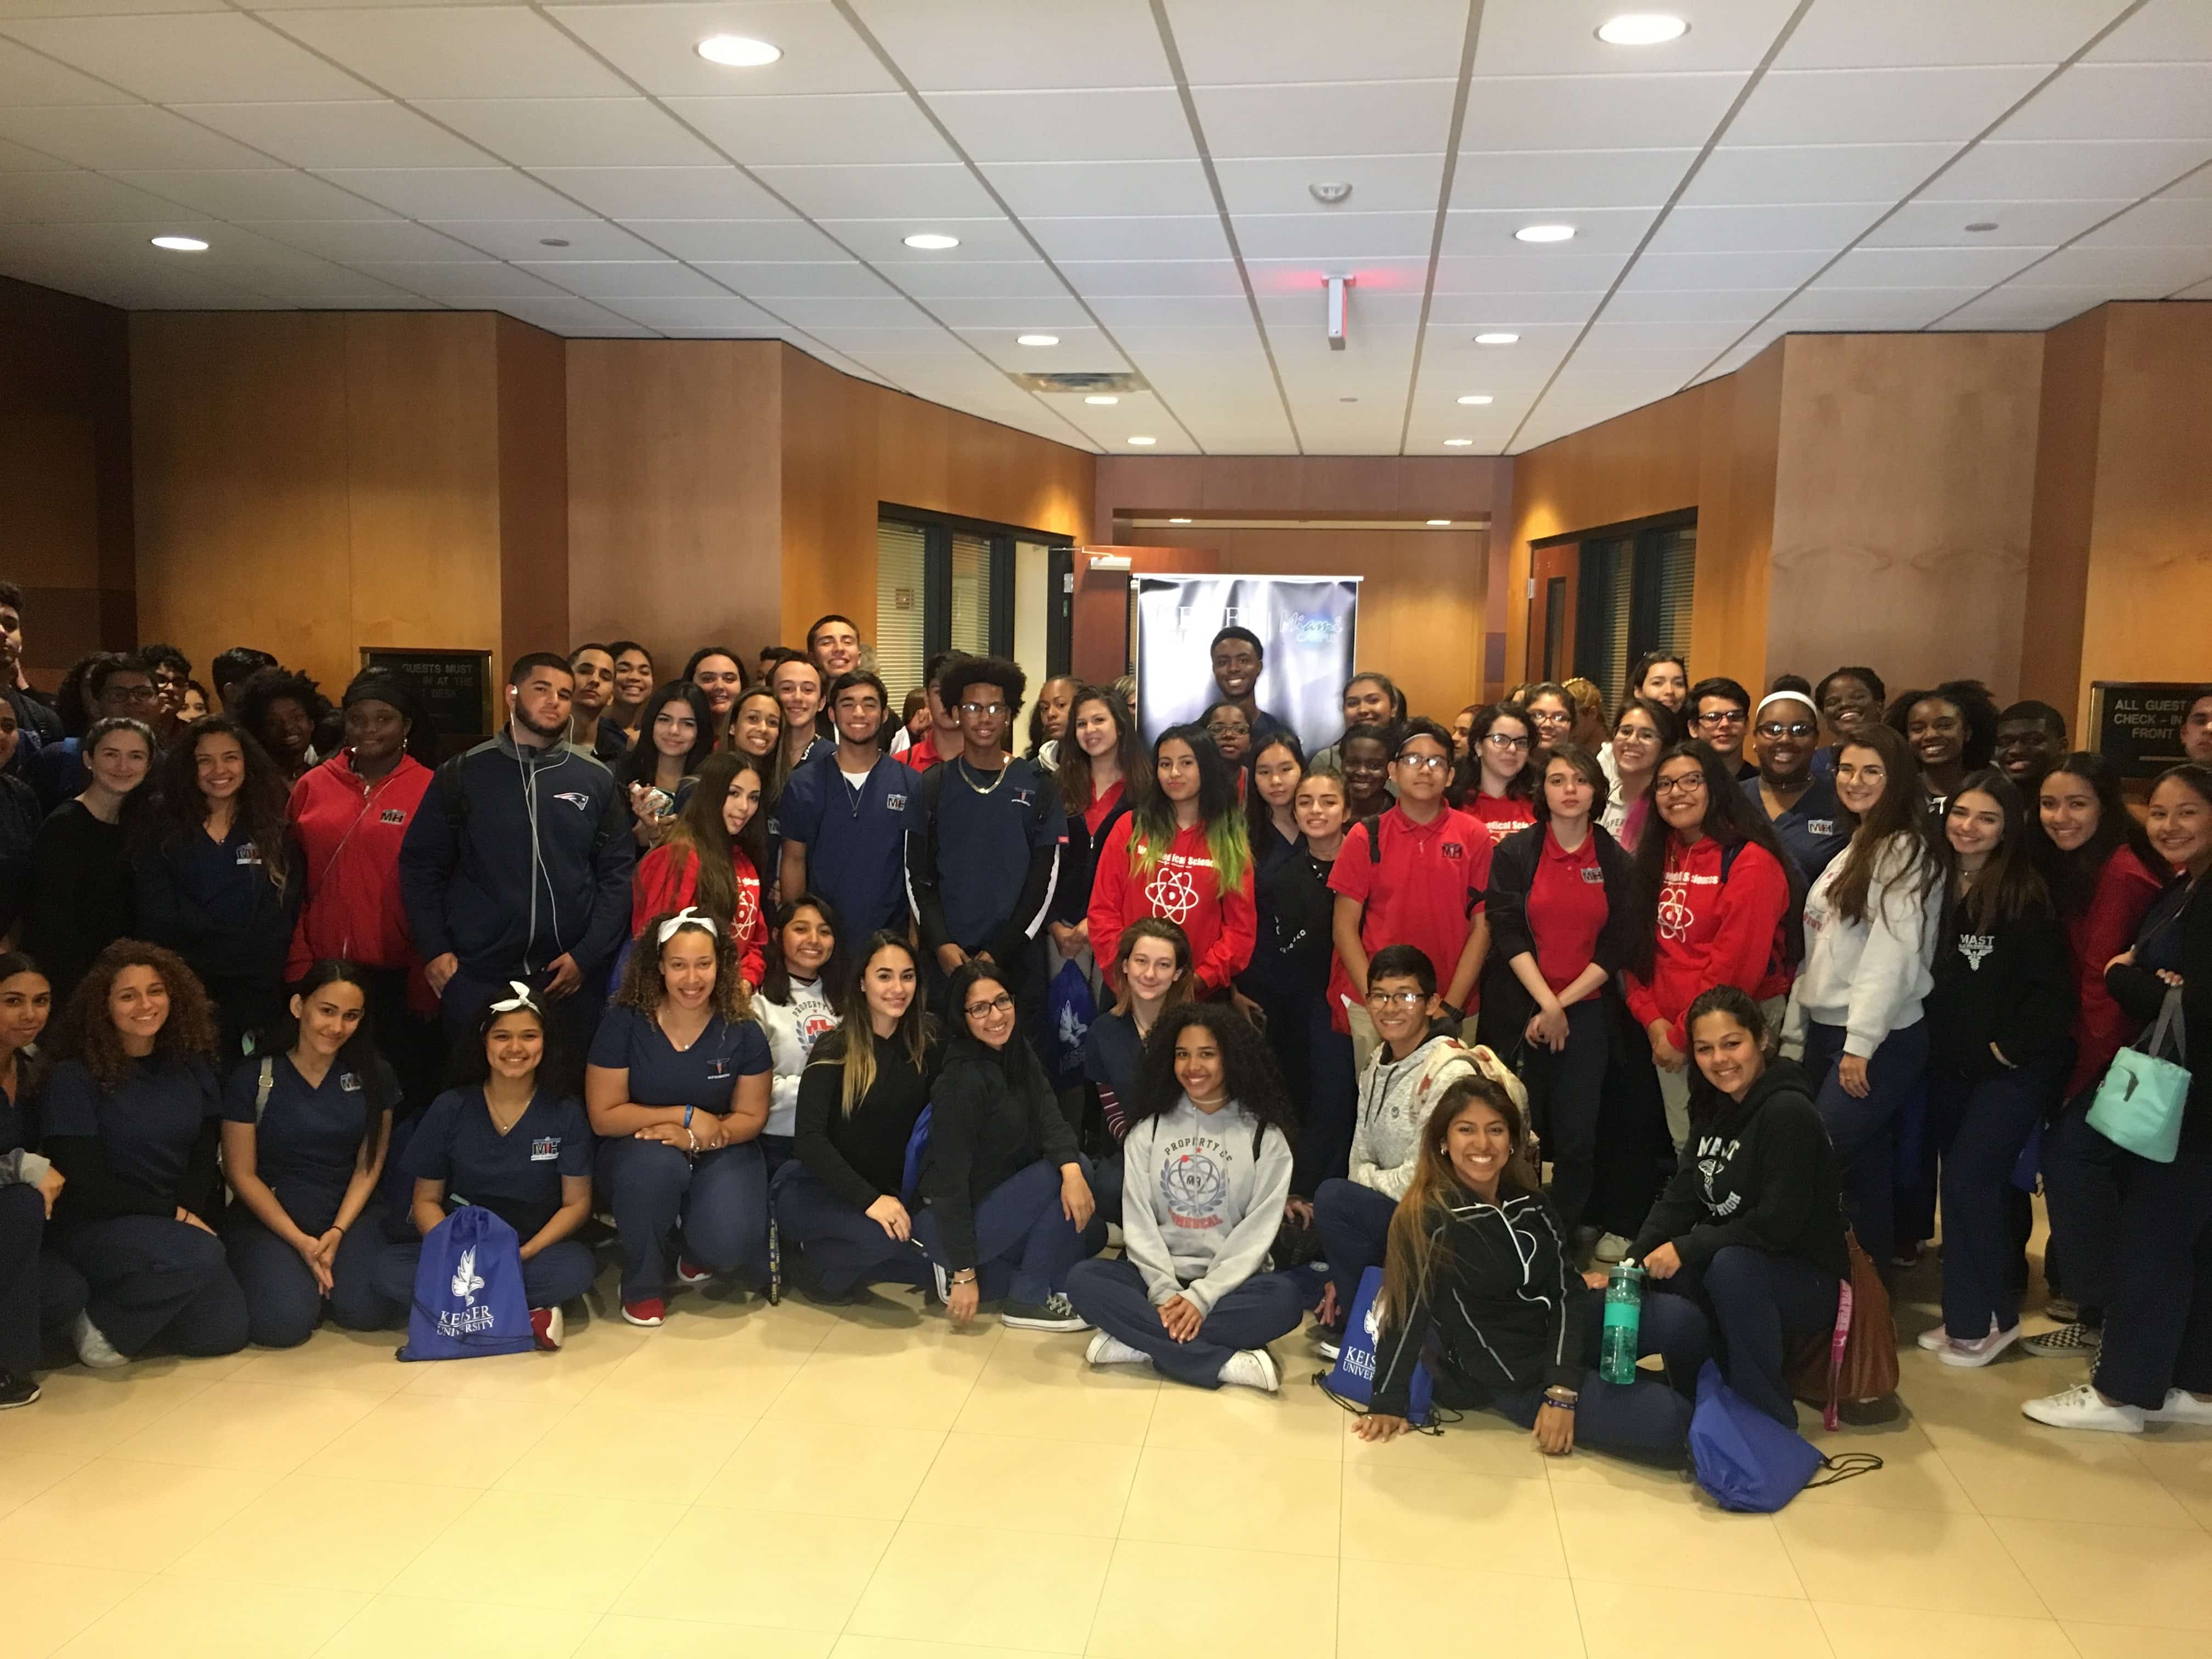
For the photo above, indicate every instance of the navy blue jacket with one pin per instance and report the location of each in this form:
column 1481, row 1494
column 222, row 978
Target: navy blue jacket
column 516, row 856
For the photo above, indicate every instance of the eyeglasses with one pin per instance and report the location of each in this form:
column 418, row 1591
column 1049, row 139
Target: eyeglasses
column 1791, row 729
column 984, row 709
column 1551, row 719
column 133, row 693
column 1499, row 740
column 1228, row 729
column 1406, row 999
column 1722, row 717
column 1425, row 762
column 1000, row 1004
column 1692, row 784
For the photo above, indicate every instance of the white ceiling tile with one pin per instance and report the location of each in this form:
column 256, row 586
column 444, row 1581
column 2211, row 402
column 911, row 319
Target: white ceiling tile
column 604, row 279
column 1996, row 170
column 883, row 241
column 855, row 128
column 474, row 52
column 526, row 239
column 28, row 78
column 1869, row 36
column 1081, row 350
column 1058, row 312
column 852, row 311
column 1702, row 271
column 1867, row 107
column 1595, row 112
column 902, row 349
column 125, row 136
column 915, row 193
column 257, row 193
column 1242, row 42
column 1881, row 308
column 2164, row 222
column 2201, row 291
column 2019, row 224
column 1143, row 277
column 1372, row 118
column 1489, row 233
column 2165, row 31
column 2121, row 101
column 351, row 241
column 1364, row 307
column 775, row 239
column 1120, row 124
column 1927, row 267
column 975, row 279
column 1506, row 273
column 1354, row 237
column 1305, row 275
column 767, row 280
column 1730, row 305
column 2133, row 273
column 709, row 193
column 1605, row 338
column 1067, row 189
column 578, row 318
column 1380, row 184
column 189, row 58
column 1749, row 175
column 988, row 43
column 1192, row 236
column 653, row 46
column 2013, row 308
column 1559, row 37
column 1827, row 225
column 1186, row 311
column 461, row 282
column 82, row 197
column 454, row 193
column 315, row 283
column 13, row 158
column 720, row 311
column 372, row 133
column 1179, row 345
column 1466, row 310
column 574, row 132
column 1568, row 180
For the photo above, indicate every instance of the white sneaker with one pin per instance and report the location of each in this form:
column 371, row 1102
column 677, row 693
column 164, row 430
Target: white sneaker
column 1251, row 1368
column 93, row 1347
column 1613, row 1248
column 2181, row 1407
column 1107, row 1349
column 1936, row 1339
column 2081, row 1408
column 1981, row 1352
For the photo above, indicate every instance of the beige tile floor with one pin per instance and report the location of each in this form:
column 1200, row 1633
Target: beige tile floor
column 793, row 1483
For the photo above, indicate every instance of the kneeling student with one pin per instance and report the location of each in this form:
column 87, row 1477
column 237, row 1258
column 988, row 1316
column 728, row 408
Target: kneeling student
column 1208, row 1161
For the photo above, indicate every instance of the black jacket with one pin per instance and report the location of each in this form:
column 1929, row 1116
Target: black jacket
column 993, row 1113
column 1760, row 1173
column 1502, row 1306
column 1079, row 861
column 2013, row 986
column 2175, row 935
column 860, row 1157
column 1506, row 1005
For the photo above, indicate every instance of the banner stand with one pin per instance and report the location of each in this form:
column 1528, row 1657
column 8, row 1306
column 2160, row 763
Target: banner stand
column 1307, row 628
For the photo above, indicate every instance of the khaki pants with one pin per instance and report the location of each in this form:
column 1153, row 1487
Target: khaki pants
column 1364, row 1042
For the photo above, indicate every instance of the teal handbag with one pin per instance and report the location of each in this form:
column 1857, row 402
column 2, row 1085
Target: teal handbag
column 2139, row 1104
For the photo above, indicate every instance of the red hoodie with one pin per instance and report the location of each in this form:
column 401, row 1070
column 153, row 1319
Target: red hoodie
column 1713, row 933
column 1183, row 888
column 349, row 833
column 667, row 880
column 2125, row 888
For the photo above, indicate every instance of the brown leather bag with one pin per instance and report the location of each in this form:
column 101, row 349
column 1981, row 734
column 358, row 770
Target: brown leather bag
column 1857, row 1363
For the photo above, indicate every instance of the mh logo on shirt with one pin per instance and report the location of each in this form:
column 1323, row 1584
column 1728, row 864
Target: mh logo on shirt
column 544, row 1149
column 393, row 815
column 895, row 803
column 249, row 853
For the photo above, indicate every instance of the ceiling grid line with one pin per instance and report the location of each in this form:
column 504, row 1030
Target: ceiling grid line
column 1443, row 212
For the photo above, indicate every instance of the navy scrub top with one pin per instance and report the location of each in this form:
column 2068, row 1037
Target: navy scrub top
column 1812, row 831
column 855, row 839
column 308, row 1137
column 705, row 1075
column 517, row 1176
column 149, row 1126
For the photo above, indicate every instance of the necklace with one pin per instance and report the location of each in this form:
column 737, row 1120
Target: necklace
column 503, row 1126
column 967, row 777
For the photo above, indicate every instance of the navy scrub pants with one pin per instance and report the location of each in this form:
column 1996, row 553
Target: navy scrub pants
column 1354, row 1225
column 1754, row 1305
column 283, row 1301
column 152, row 1278
column 829, row 1244
column 560, row 1273
column 1025, row 1246
column 2158, row 1326
column 40, row 1293
column 1984, row 1125
column 716, row 1206
column 1897, row 1077
column 2084, row 1180
column 1111, row 1295
column 1649, row 1417
column 1566, row 1094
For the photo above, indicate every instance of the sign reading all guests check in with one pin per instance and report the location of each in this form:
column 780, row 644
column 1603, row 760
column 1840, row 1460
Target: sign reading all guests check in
column 2137, row 724
column 455, row 687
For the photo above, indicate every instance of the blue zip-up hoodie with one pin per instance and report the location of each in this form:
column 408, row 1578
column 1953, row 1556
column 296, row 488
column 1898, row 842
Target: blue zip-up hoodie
column 516, row 856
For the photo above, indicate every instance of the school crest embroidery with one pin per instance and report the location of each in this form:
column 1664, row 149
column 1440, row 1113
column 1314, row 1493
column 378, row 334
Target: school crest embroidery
column 1195, row 1189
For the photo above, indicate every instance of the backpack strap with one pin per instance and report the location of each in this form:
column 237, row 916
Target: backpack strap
column 261, row 1088
column 1373, row 825
column 1728, row 857
column 453, row 794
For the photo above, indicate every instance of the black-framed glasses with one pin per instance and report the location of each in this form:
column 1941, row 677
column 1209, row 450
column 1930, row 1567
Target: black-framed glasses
column 1788, row 729
column 1499, row 740
column 1227, row 729
column 1690, row 783
column 1000, row 1004
column 984, row 709
column 1396, row 998
column 1425, row 762
column 1722, row 717
column 1551, row 719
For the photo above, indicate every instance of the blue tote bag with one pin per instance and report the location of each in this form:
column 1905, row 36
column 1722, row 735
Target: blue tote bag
column 1070, row 1008
column 1749, row 1462
column 1351, row 1383
column 468, row 1290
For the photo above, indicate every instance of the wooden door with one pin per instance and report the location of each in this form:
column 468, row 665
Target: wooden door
column 1554, row 575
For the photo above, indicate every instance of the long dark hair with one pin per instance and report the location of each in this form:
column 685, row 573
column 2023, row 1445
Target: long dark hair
column 844, row 1046
column 1978, row 713
column 89, row 1034
column 1416, row 1248
column 1740, row 1005
column 641, row 759
column 1249, row 1073
column 698, row 832
column 1900, row 812
column 1259, row 817
column 775, row 972
column 179, row 809
column 2073, row 876
column 1154, row 828
column 357, row 1054
column 558, row 1073
column 2008, row 885
column 1073, row 770
column 31, row 1062
column 1730, row 820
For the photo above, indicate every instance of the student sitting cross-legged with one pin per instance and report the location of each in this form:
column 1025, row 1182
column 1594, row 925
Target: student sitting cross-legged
column 1208, row 1162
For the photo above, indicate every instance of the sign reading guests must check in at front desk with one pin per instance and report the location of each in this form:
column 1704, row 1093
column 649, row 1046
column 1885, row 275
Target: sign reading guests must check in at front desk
column 455, row 687
column 2137, row 724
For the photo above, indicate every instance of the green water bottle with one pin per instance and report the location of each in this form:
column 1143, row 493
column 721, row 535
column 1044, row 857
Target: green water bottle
column 1624, row 1316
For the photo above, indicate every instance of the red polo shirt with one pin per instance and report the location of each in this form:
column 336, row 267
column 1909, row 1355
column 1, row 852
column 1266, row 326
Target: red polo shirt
column 1500, row 814
column 1566, row 910
column 923, row 755
column 1423, row 892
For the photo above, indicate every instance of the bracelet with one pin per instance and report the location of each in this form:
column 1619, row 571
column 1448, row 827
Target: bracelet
column 687, row 1117
column 695, row 1143
column 1560, row 1402
column 965, row 1276
column 336, row 1228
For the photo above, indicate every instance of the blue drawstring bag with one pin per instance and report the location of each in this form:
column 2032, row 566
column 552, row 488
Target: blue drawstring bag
column 1351, row 1383
column 468, row 1290
column 917, row 1149
column 1747, row 1460
column 1070, row 1008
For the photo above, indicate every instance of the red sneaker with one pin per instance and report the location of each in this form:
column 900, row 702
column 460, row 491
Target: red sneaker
column 646, row 1310
column 546, row 1323
column 690, row 1273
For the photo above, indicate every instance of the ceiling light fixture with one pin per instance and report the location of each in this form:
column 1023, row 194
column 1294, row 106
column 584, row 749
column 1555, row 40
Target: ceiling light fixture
column 1496, row 339
column 1439, row 524
column 1178, row 520
column 737, row 52
column 1328, row 193
column 1144, row 443
column 180, row 244
column 1459, row 443
column 552, row 241
column 1545, row 233
column 1100, row 399
column 1477, row 398
column 1037, row 339
column 1641, row 28
column 931, row 241
column 1980, row 225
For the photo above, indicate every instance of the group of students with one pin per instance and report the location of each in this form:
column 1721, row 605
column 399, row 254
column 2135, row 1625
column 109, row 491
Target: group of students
column 746, row 980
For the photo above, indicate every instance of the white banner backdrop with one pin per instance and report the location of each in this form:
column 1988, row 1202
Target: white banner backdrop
column 1308, row 626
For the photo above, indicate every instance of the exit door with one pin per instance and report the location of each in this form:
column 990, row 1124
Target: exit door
column 1554, row 571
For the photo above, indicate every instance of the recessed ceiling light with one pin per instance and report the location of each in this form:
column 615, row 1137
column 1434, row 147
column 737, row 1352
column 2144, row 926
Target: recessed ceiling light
column 1496, row 339
column 737, row 52
column 930, row 242
column 1459, row 443
column 1545, row 233
column 1178, row 520
column 552, row 241
column 1641, row 28
column 1037, row 339
column 1477, row 398
column 181, row 244
column 1439, row 524
column 1101, row 399
column 1144, row 443
column 1983, row 224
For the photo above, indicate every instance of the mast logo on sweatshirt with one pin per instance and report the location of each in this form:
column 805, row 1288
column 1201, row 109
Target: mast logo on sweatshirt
column 1974, row 947
column 1195, row 1186
column 575, row 798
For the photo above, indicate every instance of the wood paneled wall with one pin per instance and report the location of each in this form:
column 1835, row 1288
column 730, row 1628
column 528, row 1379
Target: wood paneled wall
column 65, row 474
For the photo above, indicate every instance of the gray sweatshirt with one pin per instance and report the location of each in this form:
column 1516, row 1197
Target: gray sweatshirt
column 22, row 1169
column 1200, row 1210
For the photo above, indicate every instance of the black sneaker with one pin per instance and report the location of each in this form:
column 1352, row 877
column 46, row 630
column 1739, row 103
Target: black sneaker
column 16, row 1391
column 1055, row 1313
column 2067, row 1341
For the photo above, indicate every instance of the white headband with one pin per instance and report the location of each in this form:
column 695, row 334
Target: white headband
column 521, row 998
column 688, row 916
column 1785, row 697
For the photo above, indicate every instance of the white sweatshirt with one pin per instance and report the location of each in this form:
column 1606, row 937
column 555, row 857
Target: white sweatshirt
column 1869, row 977
column 1198, row 1211
column 793, row 1028
column 1395, row 1099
